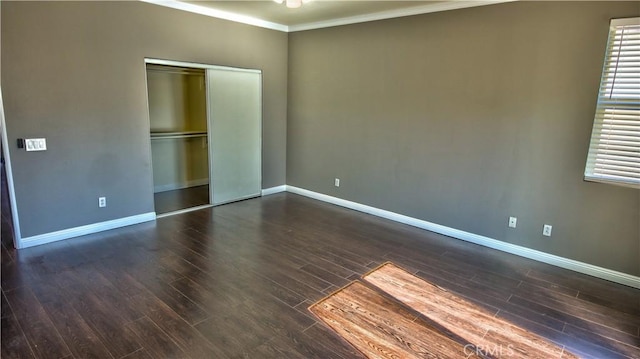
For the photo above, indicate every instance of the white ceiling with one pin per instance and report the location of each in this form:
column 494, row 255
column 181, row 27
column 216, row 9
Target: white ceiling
column 315, row 14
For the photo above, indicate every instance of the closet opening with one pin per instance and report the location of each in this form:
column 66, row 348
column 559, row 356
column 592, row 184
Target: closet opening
column 179, row 137
column 205, row 134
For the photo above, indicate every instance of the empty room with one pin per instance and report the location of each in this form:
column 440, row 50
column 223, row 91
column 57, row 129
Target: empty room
column 320, row 179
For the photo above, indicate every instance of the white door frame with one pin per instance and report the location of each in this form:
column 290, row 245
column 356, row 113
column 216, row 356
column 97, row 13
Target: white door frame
column 196, row 65
column 17, row 238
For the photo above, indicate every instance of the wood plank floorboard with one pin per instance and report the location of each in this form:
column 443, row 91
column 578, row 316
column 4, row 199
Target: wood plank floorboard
column 41, row 333
column 14, row 342
column 79, row 336
column 320, row 333
column 139, row 354
column 156, row 341
column 235, row 281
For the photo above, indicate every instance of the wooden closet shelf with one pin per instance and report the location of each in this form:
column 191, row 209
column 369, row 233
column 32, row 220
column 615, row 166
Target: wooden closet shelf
column 182, row 134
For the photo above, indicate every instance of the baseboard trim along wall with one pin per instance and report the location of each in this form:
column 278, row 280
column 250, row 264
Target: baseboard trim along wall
column 87, row 229
column 586, row 268
column 571, row 264
column 274, row 190
column 113, row 224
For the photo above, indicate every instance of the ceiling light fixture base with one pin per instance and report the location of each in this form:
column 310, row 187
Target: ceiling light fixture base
column 292, row 4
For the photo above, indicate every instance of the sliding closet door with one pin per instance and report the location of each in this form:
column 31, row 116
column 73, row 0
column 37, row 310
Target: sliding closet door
column 235, row 133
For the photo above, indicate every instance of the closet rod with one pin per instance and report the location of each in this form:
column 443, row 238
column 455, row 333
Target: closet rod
column 178, row 136
column 177, row 71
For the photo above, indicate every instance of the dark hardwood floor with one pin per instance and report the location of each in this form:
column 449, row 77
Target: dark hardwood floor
column 235, row 281
column 170, row 201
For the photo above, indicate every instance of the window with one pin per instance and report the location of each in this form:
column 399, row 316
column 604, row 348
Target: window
column 614, row 152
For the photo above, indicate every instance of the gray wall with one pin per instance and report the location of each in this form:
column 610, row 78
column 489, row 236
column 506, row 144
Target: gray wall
column 461, row 118
column 464, row 118
column 74, row 72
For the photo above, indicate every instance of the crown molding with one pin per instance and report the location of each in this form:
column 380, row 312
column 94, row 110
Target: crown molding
column 248, row 20
column 391, row 14
column 219, row 14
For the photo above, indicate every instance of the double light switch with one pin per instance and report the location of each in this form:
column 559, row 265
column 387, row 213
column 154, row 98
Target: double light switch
column 35, row 144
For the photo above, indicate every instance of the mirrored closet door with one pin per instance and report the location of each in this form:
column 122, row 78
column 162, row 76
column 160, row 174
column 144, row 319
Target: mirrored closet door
column 235, row 110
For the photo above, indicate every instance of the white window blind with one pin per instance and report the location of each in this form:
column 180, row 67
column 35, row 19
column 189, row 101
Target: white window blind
column 614, row 152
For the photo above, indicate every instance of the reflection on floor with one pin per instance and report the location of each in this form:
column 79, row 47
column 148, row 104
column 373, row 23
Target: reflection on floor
column 175, row 200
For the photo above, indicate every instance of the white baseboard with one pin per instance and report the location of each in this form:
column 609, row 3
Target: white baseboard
column 586, row 268
column 181, row 185
column 181, row 211
column 87, row 229
column 274, row 190
column 116, row 223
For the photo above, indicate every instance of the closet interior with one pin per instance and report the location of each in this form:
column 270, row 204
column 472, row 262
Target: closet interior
column 179, row 137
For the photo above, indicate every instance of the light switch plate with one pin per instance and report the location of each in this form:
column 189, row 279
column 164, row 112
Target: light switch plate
column 35, row 144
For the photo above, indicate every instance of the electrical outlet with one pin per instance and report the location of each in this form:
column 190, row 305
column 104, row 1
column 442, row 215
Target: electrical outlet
column 102, row 202
column 336, row 182
column 546, row 230
column 513, row 221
